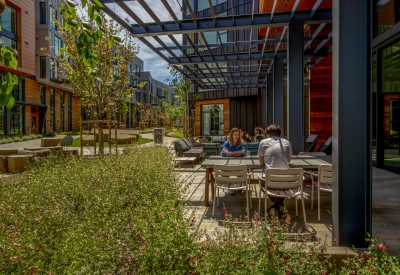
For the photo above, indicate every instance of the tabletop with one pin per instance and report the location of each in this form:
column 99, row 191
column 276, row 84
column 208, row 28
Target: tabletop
column 252, row 162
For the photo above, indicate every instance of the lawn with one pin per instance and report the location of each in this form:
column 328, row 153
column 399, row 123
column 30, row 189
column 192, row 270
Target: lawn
column 77, row 142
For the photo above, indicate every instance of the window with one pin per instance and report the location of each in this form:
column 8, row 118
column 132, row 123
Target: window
column 17, row 120
column 145, row 97
column 57, row 45
column 9, row 27
column 9, row 20
column 202, row 5
column 137, row 95
column 53, row 17
column 42, row 13
column 43, row 67
column 52, row 111
column 42, row 95
column 137, row 71
column 212, row 119
column 18, row 91
column 53, row 69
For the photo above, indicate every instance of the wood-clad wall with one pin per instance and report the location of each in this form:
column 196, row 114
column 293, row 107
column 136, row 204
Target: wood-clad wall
column 321, row 99
column 76, row 113
column 225, row 101
column 246, row 113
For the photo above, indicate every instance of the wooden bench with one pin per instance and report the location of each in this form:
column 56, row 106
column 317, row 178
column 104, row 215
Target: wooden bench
column 53, row 149
column 50, row 142
column 6, row 151
column 183, row 160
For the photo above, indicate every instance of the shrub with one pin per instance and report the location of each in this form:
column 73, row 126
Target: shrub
column 119, row 214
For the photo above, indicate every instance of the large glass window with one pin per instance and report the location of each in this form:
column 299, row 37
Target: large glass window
column 212, row 119
column 374, row 95
column 137, row 71
column 17, row 120
column 53, row 17
column 57, row 45
column 202, row 5
column 42, row 13
column 62, row 111
column 18, row 91
column 391, row 99
column 9, row 20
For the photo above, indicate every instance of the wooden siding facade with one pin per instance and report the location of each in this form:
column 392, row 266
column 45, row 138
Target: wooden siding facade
column 199, row 103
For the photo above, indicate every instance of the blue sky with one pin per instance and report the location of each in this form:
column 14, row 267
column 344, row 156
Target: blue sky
column 152, row 62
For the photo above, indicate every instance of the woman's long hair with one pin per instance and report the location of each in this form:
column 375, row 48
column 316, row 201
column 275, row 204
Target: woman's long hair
column 230, row 137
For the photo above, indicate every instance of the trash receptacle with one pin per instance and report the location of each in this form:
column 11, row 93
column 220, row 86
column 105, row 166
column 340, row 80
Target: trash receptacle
column 158, row 136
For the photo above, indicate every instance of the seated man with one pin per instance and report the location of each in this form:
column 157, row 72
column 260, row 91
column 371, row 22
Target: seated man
column 275, row 152
column 195, row 141
column 258, row 134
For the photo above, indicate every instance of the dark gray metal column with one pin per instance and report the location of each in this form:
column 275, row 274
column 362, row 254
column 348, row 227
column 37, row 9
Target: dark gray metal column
column 270, row 101
column 264, row 106
column 295, row 87
column 351, row 121
column 279, row 95
column 7, row 121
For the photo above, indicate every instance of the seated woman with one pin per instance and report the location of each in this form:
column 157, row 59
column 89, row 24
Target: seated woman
column 244, row 135
column 259, row 134
column 195, row 141
column 234, row 146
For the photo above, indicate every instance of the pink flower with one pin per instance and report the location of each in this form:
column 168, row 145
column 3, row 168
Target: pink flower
column 382, row 247
column 287, row 272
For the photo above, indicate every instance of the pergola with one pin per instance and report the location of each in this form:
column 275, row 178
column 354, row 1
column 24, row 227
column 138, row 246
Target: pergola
column 277, row 41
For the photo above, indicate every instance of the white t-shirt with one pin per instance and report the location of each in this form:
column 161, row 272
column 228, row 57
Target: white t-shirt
column 275, row 155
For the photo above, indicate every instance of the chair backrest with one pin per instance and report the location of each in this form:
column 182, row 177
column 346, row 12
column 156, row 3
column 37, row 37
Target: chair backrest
column 230, row 173
column 218, row 139
column 310, row 142
column 284, row 178
column 326, row 147
column 325, row 173
column 252, row 147
column 313, row 153
column 211, row 149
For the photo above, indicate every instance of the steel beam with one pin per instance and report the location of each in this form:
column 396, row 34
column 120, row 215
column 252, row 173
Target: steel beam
column 270, row 101
column 295, row 86
column 237, row 22
column 351, row 121
column 279, row 95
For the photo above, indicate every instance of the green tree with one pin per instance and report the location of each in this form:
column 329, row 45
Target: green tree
column 8, row 56
column 182, row 105
column 95, row 60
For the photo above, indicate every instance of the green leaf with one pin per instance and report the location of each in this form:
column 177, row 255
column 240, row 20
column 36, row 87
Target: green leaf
column 14, row 79
column 67, row 26
column 99, row 20
column 14, row 63
column 9, row 102
column 87, row 25
column 91, row 12
column 1, row 27
column 97, row 2
column 70, row 3
column 110, row 42
column 84, row 3
column 116, row 38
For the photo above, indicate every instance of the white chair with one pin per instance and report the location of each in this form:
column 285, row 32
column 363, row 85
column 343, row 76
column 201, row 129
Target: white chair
column 231, row 178
column 282, row 183
column 324, row 183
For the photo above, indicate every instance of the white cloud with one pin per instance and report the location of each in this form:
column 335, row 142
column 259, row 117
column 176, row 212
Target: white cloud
column 157, row 66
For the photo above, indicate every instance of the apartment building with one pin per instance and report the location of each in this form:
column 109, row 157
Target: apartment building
column 43, row 104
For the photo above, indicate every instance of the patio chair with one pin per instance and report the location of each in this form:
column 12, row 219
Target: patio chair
column 231, row 178
column 326, row 147
column 282, row 183
column 253, row 148
column 324, row 183
column 310, row 142
column 211, row 149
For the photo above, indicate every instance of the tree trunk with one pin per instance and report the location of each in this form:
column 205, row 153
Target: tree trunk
column 2, row 6
column 101, row 138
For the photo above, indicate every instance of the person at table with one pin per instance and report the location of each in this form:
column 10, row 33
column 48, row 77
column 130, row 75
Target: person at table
column 258, row 134
column 195, row 141
column 275, row 152
column 244, row 135
column 234, row 146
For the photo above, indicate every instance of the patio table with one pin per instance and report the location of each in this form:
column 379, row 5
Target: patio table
column 252, row 163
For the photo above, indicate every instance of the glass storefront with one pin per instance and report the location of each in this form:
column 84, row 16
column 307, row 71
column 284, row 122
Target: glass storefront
column 17, row 120
column 212, row 120
column 391, row 101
